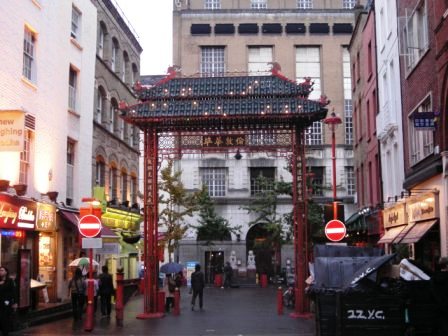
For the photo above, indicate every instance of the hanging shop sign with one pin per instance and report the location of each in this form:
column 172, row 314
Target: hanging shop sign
column 17, row 213
column 423, row 207
column 395, row 216
column 46, row 217
column 12, row 130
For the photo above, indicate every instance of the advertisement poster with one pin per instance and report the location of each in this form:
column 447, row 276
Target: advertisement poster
column 190, row 269
column 25, row 278
column 12, row 130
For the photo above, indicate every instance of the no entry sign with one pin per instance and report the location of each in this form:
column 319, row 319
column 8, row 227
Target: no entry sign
column 89, row 226
column 335, row 230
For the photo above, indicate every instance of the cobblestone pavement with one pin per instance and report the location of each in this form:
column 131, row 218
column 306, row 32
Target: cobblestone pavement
column 232, row 312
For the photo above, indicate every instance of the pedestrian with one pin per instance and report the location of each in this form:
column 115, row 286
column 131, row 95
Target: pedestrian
column 179, row 279
column 197, row 286
column 8, row 300
column 228, row 272
column 77, row 292
column 105, row 290
column 95, row 291
column 169, row 287
column 439, row 286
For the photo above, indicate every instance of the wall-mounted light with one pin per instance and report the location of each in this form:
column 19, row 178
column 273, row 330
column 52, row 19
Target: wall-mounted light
column 238, row 155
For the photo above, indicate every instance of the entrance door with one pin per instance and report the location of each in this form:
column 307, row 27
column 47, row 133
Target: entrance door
column 214, row 263
column 47, row 265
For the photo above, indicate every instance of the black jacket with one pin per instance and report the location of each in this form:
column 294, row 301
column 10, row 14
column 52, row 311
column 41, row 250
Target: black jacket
column 105, row 284
column 8, row 295
column 197, row 281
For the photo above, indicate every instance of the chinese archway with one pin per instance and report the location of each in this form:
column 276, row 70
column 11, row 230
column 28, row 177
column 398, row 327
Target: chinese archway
column 223, row 114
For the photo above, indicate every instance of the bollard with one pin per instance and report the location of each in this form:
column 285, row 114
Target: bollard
column 279, row 301
column 176, row 310
column 119, row 299
column 264, row 280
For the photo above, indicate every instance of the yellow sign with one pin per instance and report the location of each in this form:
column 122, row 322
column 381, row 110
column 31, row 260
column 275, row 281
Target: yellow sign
column 12, row 130
column 46, row 217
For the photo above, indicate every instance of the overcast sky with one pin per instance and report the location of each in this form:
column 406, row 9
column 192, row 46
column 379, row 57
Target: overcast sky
column 152, row 22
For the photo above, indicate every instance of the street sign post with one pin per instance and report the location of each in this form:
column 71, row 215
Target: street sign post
column 335, row 230
column 89, row 226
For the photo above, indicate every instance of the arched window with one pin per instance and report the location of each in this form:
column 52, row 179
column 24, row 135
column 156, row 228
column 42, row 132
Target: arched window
column 100, row 104
column 125, row 67
column 113, row 115
column 100, row 172
column 101, row 40
column 124, row 186
column 134, row 73
column 114, row 57
column 113, row 183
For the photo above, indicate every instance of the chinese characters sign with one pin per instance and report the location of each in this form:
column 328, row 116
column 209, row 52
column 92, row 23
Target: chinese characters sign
column 223, row 141
column 46, row 217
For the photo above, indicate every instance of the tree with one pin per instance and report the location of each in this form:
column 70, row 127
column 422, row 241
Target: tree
column 264, row 206
column 211, row 226
column 177, row 203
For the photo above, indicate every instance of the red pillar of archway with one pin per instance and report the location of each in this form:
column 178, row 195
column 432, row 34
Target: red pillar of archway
column 300, row 231
column 150, row 230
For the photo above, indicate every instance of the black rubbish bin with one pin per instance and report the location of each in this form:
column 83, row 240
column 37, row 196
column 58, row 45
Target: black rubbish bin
column 327, row 304
column 371, row 315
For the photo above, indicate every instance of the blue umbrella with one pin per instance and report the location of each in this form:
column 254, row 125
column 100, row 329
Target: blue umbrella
column 171, row 267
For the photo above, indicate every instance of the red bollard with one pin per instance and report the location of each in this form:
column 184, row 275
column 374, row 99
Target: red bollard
column 279, row 301
column 264, row 280
column 176, row 310
column 161, row 302
column 119, row 299
column 218, row 280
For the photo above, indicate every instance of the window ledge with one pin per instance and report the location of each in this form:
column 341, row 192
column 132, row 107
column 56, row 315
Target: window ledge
column 29, row 83
column 74, row 113
column 76, row 43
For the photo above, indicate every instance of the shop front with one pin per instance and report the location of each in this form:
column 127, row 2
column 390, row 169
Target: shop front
column 395, row 221
column 17, row 241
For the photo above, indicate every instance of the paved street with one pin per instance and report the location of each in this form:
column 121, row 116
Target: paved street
column 239, row 311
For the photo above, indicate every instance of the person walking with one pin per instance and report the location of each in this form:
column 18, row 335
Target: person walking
column 8, row 300
column 77, row 291
column 105, row 290
column 197, row 286
column 169, row 287
column 228, row 272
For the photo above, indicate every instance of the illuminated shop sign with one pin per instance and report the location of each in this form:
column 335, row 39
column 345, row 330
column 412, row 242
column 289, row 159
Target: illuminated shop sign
column 46, row 217
column 17, row 213
column 423, row 207
column 12, row 233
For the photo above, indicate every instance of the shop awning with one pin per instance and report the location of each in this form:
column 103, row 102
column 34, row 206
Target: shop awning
column 391, row 234
column 417, row 231
column 71, row 217
column 402, row 234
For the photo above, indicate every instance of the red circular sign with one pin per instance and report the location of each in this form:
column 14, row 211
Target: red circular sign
column 335, row 230
column 89, row 226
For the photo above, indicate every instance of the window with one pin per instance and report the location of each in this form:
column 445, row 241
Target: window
column 72, row 86
column 317, row 181
column 101, row 38
column 121, row 128
column 308, row 65
column 348, row 108
column 25, row 158
column 113, row 59
column 212, row 61
column 212, row 4
column 76, row 23
column 29, row 42
column 100, row 173
column 215, row 180
column 350, row 180
column 113, row 183
column 134, row 74
column 70, row 170
column 421, row 140
column 261, row 179
column 348, row 4
column 124, row 187
column 258, row 4
column 414, row 34
column 305, row 4
column 369, row 60
column 124, row 66
column 133, row 190
column 113, row 115
column 259, row 59
column 348, row 122
column 100, row 104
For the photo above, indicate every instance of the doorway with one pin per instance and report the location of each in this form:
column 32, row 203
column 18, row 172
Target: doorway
column 214, row 263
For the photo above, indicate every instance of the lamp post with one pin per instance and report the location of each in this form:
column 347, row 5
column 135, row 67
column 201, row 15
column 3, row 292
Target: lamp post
column 333, row 121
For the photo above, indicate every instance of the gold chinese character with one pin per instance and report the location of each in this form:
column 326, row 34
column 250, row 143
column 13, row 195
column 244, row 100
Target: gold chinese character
column 207, row 141
column 240, row 141
column 229, row 141
column 218, row 141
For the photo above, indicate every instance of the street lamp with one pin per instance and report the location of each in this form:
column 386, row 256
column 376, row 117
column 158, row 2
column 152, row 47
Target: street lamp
column 333, row 121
